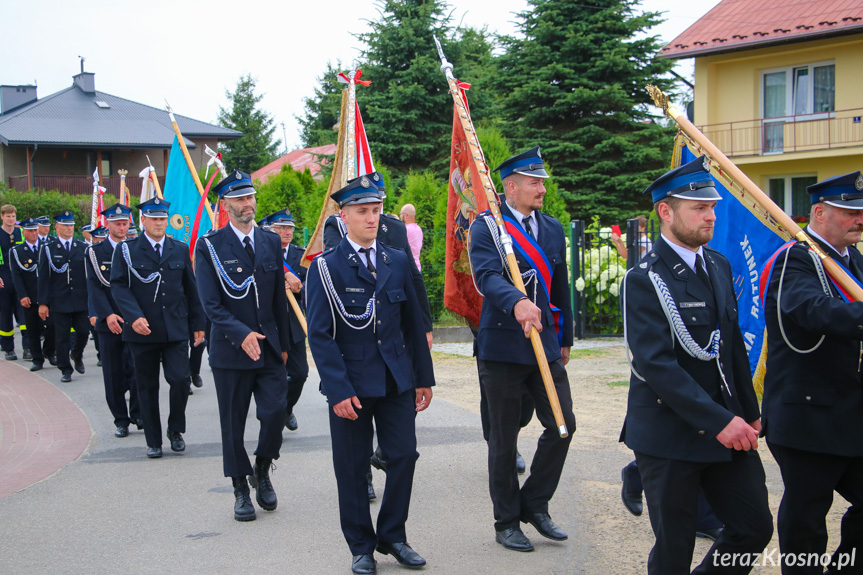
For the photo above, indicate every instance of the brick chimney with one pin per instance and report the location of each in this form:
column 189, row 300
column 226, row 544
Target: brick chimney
column 86, row 82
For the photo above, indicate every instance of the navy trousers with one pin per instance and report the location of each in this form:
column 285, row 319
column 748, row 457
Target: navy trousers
column 174, row 357
column 118, row 376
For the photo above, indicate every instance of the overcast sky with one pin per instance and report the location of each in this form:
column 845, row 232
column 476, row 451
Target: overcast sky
column 189, row 51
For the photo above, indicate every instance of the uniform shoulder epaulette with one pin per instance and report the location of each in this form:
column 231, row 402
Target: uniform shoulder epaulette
column 326, row 251
column 390, row 216
column 646, row 262
column 210, row 232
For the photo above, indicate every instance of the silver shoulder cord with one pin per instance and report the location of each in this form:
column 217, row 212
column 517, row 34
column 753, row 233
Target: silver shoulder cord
column 244, row 287
column 343, row 227
column 64, row 269
column 526, row 277
column 17, row 259
column 131, row 271
column 678, row 329
column 95, row 264
column 819, row 270
column 336, row 303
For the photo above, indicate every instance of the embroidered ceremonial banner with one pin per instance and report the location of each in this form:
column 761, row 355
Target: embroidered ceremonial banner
column 185, row 221
column 747, row 243
column 465, row 200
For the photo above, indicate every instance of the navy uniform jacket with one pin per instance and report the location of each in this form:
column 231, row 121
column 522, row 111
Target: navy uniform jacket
column 54, row 290
column 501, row 337
column 7, row 241
column 23, row 264
column 355, row 362
column 814, row 401
column 680, row 408
column 100, row 301
column 392, row 232
column 234, row 319
column 295, row 256
column 174, row 310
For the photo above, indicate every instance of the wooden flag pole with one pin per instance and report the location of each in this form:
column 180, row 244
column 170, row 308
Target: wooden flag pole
column 505, row 238
column 189, row 163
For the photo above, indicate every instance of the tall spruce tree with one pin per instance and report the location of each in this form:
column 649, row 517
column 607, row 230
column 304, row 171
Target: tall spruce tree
column 256, row 148
column 574, row 84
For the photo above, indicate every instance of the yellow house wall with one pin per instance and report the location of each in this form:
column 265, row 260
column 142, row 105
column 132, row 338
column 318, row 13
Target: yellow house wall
column 727, row 86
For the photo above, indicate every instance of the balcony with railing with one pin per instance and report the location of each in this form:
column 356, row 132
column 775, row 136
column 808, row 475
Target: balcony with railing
column 787, row 134
column 79, row 185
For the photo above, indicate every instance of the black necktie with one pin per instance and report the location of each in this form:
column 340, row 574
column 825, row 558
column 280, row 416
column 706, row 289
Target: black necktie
column 525, row 221
column 249, row 249
column 285, row 254
column 368, row 253
column 66, row 246
column 700, row 271
column 156, row 247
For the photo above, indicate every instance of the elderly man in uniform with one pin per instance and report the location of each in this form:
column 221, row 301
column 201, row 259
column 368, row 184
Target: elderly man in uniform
column 391, row 232
column 282, row 222
column 692, row 418
column 62, row 293
column 117, row 369
column 813, row 391
column 368, row 341
column 505, row 358
column 153, row 285
column 23, row 261
column 242, row 287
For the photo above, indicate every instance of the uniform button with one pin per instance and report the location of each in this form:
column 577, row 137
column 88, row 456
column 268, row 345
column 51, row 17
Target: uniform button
column 379, row 342
column 379, row 322
column 808, row 398
column 721, row 342
column 498, row 324
column 659, row 401
column 701, row 432
column 161, row 269
column 693, row 318
column 860, row 327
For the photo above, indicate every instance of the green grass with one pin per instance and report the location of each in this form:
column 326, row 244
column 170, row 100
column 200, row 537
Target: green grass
column 583, row 353
column 619, row 383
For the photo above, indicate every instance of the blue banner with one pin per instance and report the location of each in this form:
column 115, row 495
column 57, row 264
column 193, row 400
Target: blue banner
column 748, row 244
column 186, row 208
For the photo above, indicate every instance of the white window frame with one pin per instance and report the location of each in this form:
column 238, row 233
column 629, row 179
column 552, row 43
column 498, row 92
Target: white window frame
column 789, row 91
column 788, row 200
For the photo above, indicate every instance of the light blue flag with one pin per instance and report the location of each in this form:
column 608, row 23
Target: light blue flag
column 748, row 244
column 188, row 219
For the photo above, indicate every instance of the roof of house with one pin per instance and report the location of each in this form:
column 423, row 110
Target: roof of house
column 298, row 159
column 74, row 118
column 744, row 24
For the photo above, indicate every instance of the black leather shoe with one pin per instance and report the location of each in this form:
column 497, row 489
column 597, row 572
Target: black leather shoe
column 632, row 499
column 403, row 554
column 27, row 356
column 513, row 538
column 52, row 359
column 154, row 452
column 291, row 423
column 66, row 377
column 243, row 508
column 197, row 381
column 98, row 363
column 712, row 534
column 378, row 460
column 177, row 443
column 520, row 467
column 139, row 423
column 542, row 522
column 11, row 356
column 371, row 486
column 36, row 366
column 260, row 480
column 121, row 431
column 364, row 564
column 79, row 365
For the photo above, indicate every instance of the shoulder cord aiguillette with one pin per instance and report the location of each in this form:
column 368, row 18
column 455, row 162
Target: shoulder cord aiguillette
column 335, row 302
column 149, row 279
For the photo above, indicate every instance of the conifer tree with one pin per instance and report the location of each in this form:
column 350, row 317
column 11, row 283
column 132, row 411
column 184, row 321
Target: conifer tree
column 256, row 148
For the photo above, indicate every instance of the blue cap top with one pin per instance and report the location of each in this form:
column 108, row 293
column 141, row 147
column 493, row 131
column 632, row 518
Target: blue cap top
column 43, row 220
column 691, row 181
column 840, row 191
column 117, row 212
column 361, row 190
column 236, row 185
column 133, row 231
column 527, row 163
column 99, row 232
column 155, row 208
column 282, row 218
column 66, row 217
column 86, row 229
column 29, row 224
column 264, row 222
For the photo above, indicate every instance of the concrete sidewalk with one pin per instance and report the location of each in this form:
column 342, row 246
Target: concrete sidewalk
column 112, row 510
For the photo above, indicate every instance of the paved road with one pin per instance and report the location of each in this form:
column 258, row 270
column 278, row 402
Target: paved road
column 112, row 510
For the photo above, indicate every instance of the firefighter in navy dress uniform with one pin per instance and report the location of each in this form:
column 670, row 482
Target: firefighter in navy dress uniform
column 692, row 417
column 23, row 261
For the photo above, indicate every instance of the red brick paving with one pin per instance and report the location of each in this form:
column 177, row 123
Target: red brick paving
column 41, row 429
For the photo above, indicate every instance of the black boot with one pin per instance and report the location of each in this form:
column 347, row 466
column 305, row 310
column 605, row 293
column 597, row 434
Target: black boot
column 264, row 492
column 243, row 508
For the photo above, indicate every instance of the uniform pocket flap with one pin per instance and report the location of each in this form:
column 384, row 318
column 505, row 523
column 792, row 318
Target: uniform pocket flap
column 352, row 352
column 396, row 295
column 270, row 266
column 809, row 396
column 176, row 265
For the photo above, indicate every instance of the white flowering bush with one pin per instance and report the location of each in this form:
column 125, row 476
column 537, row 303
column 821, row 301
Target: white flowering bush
column 602, row 275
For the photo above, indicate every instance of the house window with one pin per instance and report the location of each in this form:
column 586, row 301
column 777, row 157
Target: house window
column 106, row 164
column 795, row 93
column 789, row 193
